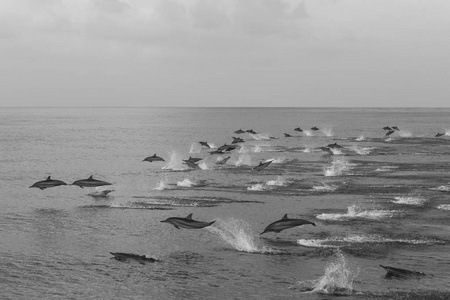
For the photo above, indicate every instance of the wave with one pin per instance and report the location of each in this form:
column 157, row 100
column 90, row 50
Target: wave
column 355, row 212
column 238, row 234
column 385, row 168
column 338, row 278
column 361, row 150
column 257, row 187
column 361, row 138
column 444, row 207
column 410, row 200
column 337, row 242
column 324, row 188
column 338, row 167
column 442, row 188
column 280, row 181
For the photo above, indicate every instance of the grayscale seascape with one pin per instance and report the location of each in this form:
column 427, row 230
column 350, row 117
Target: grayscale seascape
column 379, row 200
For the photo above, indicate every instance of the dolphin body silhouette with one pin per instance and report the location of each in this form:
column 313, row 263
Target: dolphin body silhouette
column 285, row 223
column 90, row 182
column 223, row 160
column 193, row 159
column 153, row 158
column 191, row 164
column 205, row 144
column 262, row 165
column 389, row 132
column 240, row 131
column 334, row 146
column 387, row 128
column 439, row 134
column 287, row 135
column 187, row 222
column 103, row 193
column 298, row 129
column 250, row 131
column 327, row 150
column 314, row 128
column 48, row 183
column 400, row 273
column 121, row 256
column 237, row 140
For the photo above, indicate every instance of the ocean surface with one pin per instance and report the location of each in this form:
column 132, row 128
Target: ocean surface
column 378, row 200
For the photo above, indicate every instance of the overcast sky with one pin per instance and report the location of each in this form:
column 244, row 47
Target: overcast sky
column 225, row 53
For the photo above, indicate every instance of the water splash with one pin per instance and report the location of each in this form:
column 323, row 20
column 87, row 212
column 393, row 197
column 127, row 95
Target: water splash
column 361, row 150
column 327, row 131
column 447, row 132
column 175, row 163
column 338, row 278
column 186, row 183
column 444, row 207
column 418, row 201
column 324, row 188
column 238, row 234
column 278, row 160
column 257, row 187
column 338, row 167
column 405, row 133
column 361, row 138
column 243, row 159
column 244, row 149
column 442, row 188
column 355, row 212
column 280, row 181
column 195, row 148
column 336, row 151
column 257, row 149
column 386, row 168
column 203, row 166
column 260, row 136
column 308, row 132
column 307, row 150
column 162, row 185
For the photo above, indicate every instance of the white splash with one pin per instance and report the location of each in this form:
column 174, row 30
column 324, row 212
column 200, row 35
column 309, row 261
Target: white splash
column 257, row 149
column 162, row 185
column 336, row 151
column 442, row 188
column 280, row 181
column 410, row 200
column 186, row 183
column 195, row 148
column 327, row 131
column 243, row 159
column 239, row 235
column 355, row 212
column 338, row 167
column 257, row 187
column 324, row 188
column 175, row 163
column 385, row 168
column 361, row 138
column 405, row 133
column 361, row 150
column 308, row 132
column 244, row 149
column 307, row 150
column 447, row 132
column 260, row 136
column 203, row 166
column 338, row 278
column 444, row 207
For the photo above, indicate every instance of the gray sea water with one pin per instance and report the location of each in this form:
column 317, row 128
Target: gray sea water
column 378, row 200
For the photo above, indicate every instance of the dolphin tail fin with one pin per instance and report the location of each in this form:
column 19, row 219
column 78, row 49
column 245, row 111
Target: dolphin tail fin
column 212, row 222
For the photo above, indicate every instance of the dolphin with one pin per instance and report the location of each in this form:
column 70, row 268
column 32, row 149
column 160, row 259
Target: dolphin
column 226, row 147
column 191, row 164
column 103, row 193
column 262, row 165
column 402, row 273
column 250, row 131
column 285, row 223
column 314, row 128
column 335, row 145
column 389, row 132
column 239, row 131
column 439, row 134
column 387, row 128
column 223, row 160
column 205, row 144
column 193, row 159
column 153, row 158
column 48, row 183
column 237, row 140
column 217, row 152
column 187, row 223
column 287, row 135
column 395, row 128
column 327, row 150
column 298, row 129
column 90, row 182
column 120, row 256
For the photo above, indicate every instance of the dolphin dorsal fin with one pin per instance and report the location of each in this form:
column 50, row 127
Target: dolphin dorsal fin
column 285, row 217
column 48, row 178
column 154, row 155
column 189, row 217
column 90, row 177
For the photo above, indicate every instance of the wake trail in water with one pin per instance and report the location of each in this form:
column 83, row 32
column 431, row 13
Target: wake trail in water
column 238, row 234
column 355, row 212
column 339, row 166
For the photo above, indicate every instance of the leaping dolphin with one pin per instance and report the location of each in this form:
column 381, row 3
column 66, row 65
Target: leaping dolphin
column 90, row 182
column 287, row 135
column 97, row 193
column 314, row 128
column 187, row 222
column 395, row 128
column 335, row 146
column 250, row 131
column 237, row 140
column 262, row 165
column 327, row 150
column 191, row 164
column 222, row 161
column 48, row 183
column 397, row 272
column 205, row 144
column 239, row 131
column 387, row 128
column 153, row 158
column 439, row 134
column 120, row 256
column 194, row 159
column 298, row 129
column 226, row 147
column 285, row 223
column 389, row 132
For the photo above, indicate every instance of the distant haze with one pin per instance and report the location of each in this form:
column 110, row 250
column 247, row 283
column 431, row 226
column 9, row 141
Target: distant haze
column 317, row 53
